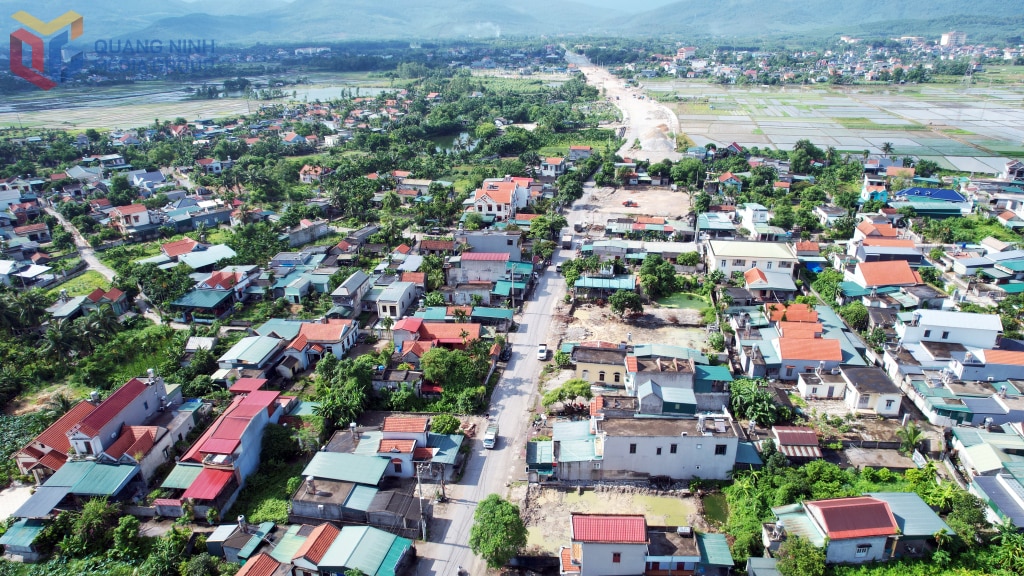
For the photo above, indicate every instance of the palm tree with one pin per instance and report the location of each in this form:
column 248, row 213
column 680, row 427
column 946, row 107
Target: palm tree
column 391, row 201
column 460, row 315
column 887, row 148
column 8, row 311
column 58, row 342
column 105, row 320
column 60, row 403
column 910, row 437
column 387, row 322
column 31, row 306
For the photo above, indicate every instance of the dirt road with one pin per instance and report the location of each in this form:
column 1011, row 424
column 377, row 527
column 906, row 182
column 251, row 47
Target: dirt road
column 646, row 120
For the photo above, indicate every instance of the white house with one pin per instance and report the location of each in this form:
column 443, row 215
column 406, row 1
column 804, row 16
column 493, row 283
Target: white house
column 608, row 545
column 496, row 199
column 553, row 167
column 396, row 299
column 131, row 404
column 735, row 256
column 869, row 389
column 966, row 328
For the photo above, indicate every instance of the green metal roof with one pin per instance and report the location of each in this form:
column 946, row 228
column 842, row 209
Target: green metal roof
column 540, row 454
column 504, row 287
column 914, row 517
column 89, row 478
column 354, row 468
column 1013, row 265
column 625, row 282
column 361, row 498
column 519, row 267
column 202, row 299
column 854, row 290
column 182, row 476
column 304, row 408
column 438, row 313
column 207, row 257
column 492, row 313
column 361, row 547
column 22, row 533
column 712, row 373
column 1012, row 287
column 398, row 549
column 284, row 328
column 447, row 446
column 798, row 523
column 250, row 547
column 251, row 349
column 576, row 450
column 714, row 550
column 684, row 396
column 746, row 453
column 288, row 544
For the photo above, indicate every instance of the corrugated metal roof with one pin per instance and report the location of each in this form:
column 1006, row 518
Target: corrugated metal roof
column 746, row 453
column 361, row 497
column 358, row 469
column 372, row 549
column 626, row 282
column 257, row 538
column 288, row 544
column 801, row 451
column 914, row 517
column 996, row 492
column 22, row 533
column 208, row 484
column 447, row 447
column 714, row 550
column 857, row 517
column 399, row 547
column 92, row 478
column 42, row 502
column 540, row 454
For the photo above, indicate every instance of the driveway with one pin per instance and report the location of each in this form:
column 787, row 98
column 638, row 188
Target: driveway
column 84, row 249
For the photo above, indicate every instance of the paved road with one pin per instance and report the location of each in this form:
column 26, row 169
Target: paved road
column 84, row 249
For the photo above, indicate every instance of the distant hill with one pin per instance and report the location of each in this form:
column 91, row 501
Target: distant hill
column 310, row 21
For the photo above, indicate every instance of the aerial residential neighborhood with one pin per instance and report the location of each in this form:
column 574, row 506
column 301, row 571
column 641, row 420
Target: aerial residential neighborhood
column 598, row 307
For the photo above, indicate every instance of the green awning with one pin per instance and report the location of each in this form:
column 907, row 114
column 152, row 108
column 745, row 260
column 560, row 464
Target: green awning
column 504, row 287
column 182, row 476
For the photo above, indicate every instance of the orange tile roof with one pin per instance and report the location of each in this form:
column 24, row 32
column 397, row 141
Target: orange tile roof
column 1005, row 357
column 1007, row 215
column 891, row 242
column 416, row 347
column 899, row 171
column 861, row 517
column 449, row 333
column 223, row 280
column 331, row 332
column 649, row 220
column 566, row 558
column 54, row 459
column 808, row 246
column 131, row 209
column 178, row 247
column 396, row 446
column 894, row 273
column 422, row 454
column 259, row 565
column 112, row 406
column 414, row 277
column 754, row 275
column 791, row 313
column 299, row 343
column 870, row 229
column 133, row 440
column 406, row 424
column 403, row 249
column 810, row 349
column 317, row 543
column 800, row 329
column 499, row 192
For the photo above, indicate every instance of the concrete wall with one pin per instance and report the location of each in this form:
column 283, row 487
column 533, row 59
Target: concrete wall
column 970, row 337
column 845, row 551
column 598, row 559
column 695, row 456
column 592, row 373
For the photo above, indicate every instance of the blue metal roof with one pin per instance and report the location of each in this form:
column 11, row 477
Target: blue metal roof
column 932, row 193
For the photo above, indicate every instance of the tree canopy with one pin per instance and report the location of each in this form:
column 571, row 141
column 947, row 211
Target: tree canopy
column 498, row 532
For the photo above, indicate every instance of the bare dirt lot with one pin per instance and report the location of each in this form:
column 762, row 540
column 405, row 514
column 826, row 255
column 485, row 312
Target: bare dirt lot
column 661, row 201
column 591, row 322
column 547, row 511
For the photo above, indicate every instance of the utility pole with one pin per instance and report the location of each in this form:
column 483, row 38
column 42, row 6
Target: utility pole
column 419, row 498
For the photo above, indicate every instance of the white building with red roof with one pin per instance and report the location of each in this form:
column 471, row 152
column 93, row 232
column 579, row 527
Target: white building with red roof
column 132, row 404
column 127, row 218
column 608, row 544
column 495, row 199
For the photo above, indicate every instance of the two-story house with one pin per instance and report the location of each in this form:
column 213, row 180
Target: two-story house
column 349, row 294
column 396, row 299
column 965, row 328
column 495, row 199
column 553, row 167
column 733, row 256
column 127, row 218
column 132, row 404
column 478, row 267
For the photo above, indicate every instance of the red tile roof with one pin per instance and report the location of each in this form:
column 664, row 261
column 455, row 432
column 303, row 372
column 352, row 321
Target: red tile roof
column 178, row 247
column 98, row 294
column 754, row 275
column 56, row 435
column 499, row 192
column 1005, row 357
column 246, row 385
column 222, row 279
column 403, row 249
column 54, row 459
column 437, row 245
column 410, row 324
column 791, row 313
column 331, row 332
column 38, row 227
column 422, row 454
column 299, row 343
column 565, row 555
column 597, row 405
column 800, row 329
column 396, row 446
column 131, row 209
column 631, row 364
column 894, row 273
column 624, row 528
column 112, row 407
column 808, row 246
column 317, row 543
column 826, row 349
column 259, row 565
column 449, row 333
column 884, row 230
column 414, row 277
column 133, row 440
column 861, row 517
column 406, row 424
column 416, row 347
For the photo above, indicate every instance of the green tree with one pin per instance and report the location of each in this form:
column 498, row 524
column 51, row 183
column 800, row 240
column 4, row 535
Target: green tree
column 201, row 565
column 856, row 315
column 445, row 424
column 910, row 437
column 624, row 301
column 657, row 276
column 498, row 532
column 827, row 284
column 391, row 201
column 571, row 390
column 799, row 557
column 126, row 538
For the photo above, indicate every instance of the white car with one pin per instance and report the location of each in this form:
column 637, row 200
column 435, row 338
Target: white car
column 542, row 352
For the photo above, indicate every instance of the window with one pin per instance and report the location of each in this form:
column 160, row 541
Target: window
column 753, row 263
column 927, row 333
column 657, row 451
column 398, row 467
column 863, row 549
column 724, row 263
column 699, row 446
column 145, row 405
column 720, row 449
column 789, row 370
column 785, row 264
column 814, row 391
column 768, row 266
column 889, row 403
column 586, row 375
column 600, row 376
column 616, row 557
column 672, row 448
column 632, row 448
column 617, row 377
column 508, row 242
column 945, row 335
column 738, row 262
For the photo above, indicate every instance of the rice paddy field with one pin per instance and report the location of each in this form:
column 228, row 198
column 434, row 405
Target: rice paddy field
column 966, row 128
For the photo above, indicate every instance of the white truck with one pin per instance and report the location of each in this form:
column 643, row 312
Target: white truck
column 491, row 435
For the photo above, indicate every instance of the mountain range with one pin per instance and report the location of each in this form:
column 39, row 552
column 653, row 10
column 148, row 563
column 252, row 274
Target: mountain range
column 311, row 21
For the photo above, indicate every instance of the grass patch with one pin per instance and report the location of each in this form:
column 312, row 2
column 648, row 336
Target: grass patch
column 958, row 132
column 80, row 285
column 868, row 124
column 265, row 496
column 563, row 149
column 684, row 300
